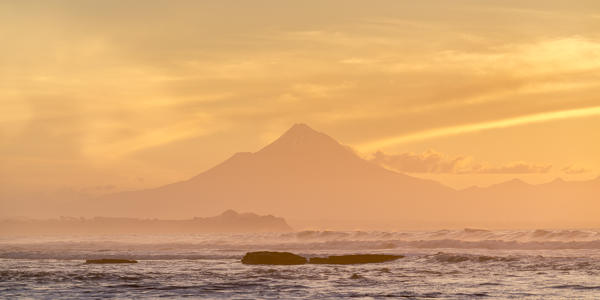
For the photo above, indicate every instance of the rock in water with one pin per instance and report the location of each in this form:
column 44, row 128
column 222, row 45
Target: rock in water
column 272, row 258
column 354, row 259
column 110, row 261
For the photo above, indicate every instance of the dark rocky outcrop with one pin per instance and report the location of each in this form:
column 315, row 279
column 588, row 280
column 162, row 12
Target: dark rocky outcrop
column 287, row 258
column 110, row 261
column 272, row 258
column 354, row 259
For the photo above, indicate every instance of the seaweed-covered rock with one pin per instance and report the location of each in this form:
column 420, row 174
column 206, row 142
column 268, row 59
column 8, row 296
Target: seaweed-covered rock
column 354, row 259
column 110, row 261
column 272, row 258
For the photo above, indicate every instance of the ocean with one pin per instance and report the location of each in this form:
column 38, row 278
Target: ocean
column 444, row 264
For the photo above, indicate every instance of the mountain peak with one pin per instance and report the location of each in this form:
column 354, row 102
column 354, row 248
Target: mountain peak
column 301, row 127
column 301, row 138
column 301, row 130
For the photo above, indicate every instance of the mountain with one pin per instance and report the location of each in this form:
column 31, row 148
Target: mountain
column 304, row 175
column 313, row 180
column 228, row 221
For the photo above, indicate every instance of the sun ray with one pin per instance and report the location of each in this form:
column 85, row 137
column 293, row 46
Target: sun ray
column 476, row 127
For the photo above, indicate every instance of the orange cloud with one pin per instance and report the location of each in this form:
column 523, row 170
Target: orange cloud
column 574, row 170
column 434, row 162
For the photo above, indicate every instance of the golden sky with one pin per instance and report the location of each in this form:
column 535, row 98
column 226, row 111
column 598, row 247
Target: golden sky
column 111, row 95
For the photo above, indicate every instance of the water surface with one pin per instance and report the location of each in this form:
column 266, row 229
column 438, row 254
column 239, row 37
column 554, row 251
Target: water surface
column 447, row 264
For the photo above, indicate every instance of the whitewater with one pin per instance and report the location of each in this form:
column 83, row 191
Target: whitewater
column 443, row 264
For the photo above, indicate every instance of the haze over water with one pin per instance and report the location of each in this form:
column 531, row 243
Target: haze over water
column 148, row 147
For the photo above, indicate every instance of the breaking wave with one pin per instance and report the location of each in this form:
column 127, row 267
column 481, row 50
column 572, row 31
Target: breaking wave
column 231, row 246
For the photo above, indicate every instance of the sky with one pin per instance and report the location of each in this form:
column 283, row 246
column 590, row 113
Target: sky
column 104, row 96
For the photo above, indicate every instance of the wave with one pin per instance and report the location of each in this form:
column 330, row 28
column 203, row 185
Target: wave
column 230, row 246
column 235, row 251
column 67, row 275
column 458, row 258
column 72, row 255
column 467, row 234
column 575, row 287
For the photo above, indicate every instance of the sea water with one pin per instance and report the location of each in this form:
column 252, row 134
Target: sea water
column 445, row 264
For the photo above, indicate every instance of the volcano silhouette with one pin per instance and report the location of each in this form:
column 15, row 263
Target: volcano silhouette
column 303, row 174
column 307, row 175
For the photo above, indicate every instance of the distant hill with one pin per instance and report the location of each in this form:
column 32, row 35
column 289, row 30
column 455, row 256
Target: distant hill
column 229, row 221
column 519, row 204
column 308, row 176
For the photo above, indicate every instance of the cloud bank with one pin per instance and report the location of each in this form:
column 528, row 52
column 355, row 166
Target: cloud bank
column 431, row 161
column 572, row 170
